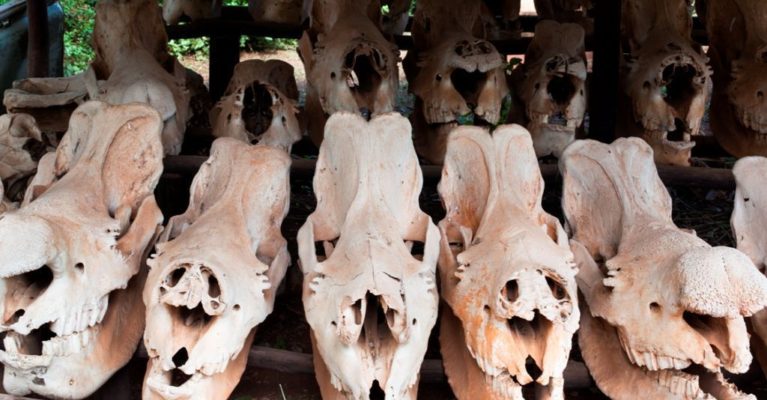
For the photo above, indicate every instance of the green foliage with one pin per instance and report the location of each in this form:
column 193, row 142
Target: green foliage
column 197, row 47
column 79, row 16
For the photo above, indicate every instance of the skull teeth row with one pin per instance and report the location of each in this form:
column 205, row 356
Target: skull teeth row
column 753, row 121
column 543, row 119
column 685, row 385
column 79, row 320
column 654, row 362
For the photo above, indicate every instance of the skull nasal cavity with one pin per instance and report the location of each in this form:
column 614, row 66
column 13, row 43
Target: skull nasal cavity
column 33, row 282
column 557, row 290
column 175, row 277
column 561, row 89
column 214, row 290
column 512, row 290
column 468, row 84
column 677, row 86
column 181, row 357
column 363, row 71
column 257, row 109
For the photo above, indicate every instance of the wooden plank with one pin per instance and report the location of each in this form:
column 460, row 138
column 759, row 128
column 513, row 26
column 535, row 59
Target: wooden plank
column 603, row 93
column 37, row 38
column 224, row 55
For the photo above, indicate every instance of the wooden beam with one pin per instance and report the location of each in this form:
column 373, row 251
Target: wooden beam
column 604, row 78
column 224, row 55
column 37, row 38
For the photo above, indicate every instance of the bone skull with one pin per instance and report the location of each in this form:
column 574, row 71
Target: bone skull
column 16, row 160
column 370, row 302
column 259, row 105
column 550, row 87
column 174, row 10
column 506, row 270
column 277, row 11
column 83, row 237
column 738, row 52
column 49, row 100
column 665, row 81
column 216, row 273
column 456, row 77
column 664, row 310
column 349, row 64
column 573, row 11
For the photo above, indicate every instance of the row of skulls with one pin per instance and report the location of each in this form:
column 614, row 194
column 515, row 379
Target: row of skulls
column 661, row 312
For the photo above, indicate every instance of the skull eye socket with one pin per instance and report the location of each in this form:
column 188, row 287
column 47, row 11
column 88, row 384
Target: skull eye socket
column 557, row 290
column 511, row 290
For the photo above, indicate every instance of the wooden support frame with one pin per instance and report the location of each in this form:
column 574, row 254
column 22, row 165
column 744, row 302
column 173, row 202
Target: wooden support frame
column 603, row 94
column 37, row 39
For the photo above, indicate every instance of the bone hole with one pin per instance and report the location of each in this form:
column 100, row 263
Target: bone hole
column 363, row 77
column 376, row 393
column 257, row 109
column 178, row 377
column 377, row 321
column 469, row 85
column 174, row 277
column 23, row 289
column 80, row 267
column 561, row 89
column 677, row 135
column 214, row 290
column 357, row 308
column 512, row 290
column 32, row 344
column 713, row 329
column 532, row 368
column 655, row 307
column 181, row 357
column 556, row 288
column 678, row 81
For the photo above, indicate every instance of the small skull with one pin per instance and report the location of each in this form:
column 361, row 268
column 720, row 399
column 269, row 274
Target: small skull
column 506, row 270
column 665, row 80
column 550, row 87
column 81, row 236
column 370, row 301
column 216, row 272
column 664, row 310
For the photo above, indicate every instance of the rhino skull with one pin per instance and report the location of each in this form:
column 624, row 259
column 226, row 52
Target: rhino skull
column 738, row 51
column 665, row 81
column 349, row 64
column 216, row 273
column 550, row 87
column 664, row 309
column 456, row 77
column 369, row 301
column 259, row 105
column 506, row 270
column 83, row 238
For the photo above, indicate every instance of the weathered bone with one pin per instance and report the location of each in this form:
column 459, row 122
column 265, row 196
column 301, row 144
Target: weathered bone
column 665, row 82
column 369, row 301
column 71, row 257
column 349, row 64
column 455, row 76
column 506, row 270
column 277, row 11
column 16, row 161
column 550, row 87
column 216, row 273
column 738, row 51
column 259, row 105
column 664, row 310
column 174, row 10
column 49, row 100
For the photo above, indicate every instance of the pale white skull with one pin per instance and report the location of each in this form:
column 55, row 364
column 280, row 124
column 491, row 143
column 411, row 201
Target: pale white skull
column 506, row 270
column 350, row 66
column 738, row 51
column 664, row 309
column 749, row 226
column 71, row 257
column 370, row 302
column 550, row 87
column 456, row 77
column 259, row 105
column 665, row 81
column 174, row 10
column 216, row 273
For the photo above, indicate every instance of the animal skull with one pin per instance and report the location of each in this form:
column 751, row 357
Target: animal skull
column 16, row 162
column 82, row 235
column 665, row 82
column 349, row 64
column 173, row 10
column 49, row 100
column 749, row 230
column 456, row 77
column 738, row 51
column 216, row 273
column 664, row 310
column 550, row 87
column 573, row 11
column 259, row 104
column 370, row 302
column 277, row 11
column 506, row 270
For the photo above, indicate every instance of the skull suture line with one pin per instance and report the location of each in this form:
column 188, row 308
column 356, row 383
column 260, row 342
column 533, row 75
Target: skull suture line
column 81, row 237
column 370, row 303
column 550, row 87
column 349, row 64
column 664, row 310
column 456, row 77
column 665, row 82
column 738, row 51
column 506, row 270
column 216, row 273
column 259, row 105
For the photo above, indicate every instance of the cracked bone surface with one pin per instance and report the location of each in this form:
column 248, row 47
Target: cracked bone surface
column 665, row 79
column 457, row 78
column 738, row 50
column 506, row 270
column 81, row 234
column 371, row 298
column 216, row 273
column 550, row 87
column 663, row 310
column 259, row 105
column 350, row 66
column 174, row 10
column 749, row 226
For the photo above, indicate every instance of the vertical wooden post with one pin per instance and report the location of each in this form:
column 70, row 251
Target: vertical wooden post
column 603, row 107
column 224, row 55
column 37, row 39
